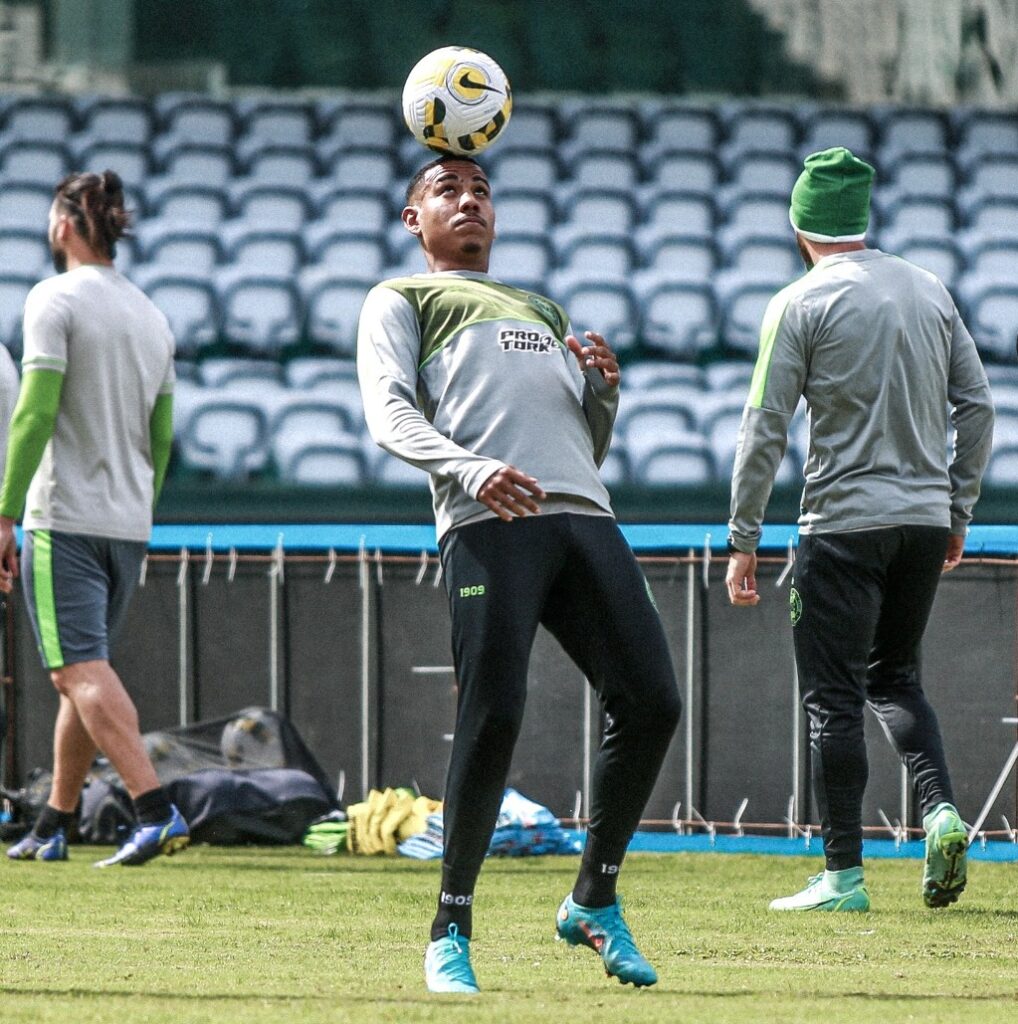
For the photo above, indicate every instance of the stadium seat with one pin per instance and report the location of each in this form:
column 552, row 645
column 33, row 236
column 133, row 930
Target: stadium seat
column 189, row 302
column 761, row 171
column 33, row 160
column 224, row 438
column 993, row 319
column 917, row 215
column 760, row 126
column 1005, row 404
column 284, row 122
column 591, row 252
column 314, row 371
column 1003, row 468
column 922, row 173
column 729, row 378
column 525, row 210
column 332, row 303
column 536, row 122
column 996, row 217
column 776, row 258
column 169, row 244
column 992, row 175
column 353, row 210
column 674, row 126
column 646, row 423
column 24, row 251
column 688, row 170
column 201, row 206
column 270, row 395
column 301, row 421
column 742, row 302
column 198, row 119
column 359, row 168
column 325, row 465
column 254, row 248
column 614, row 471
column 985, row 131
column 122, row 120
column 758, row 213
column 914, row 129
column 40, row 119
column 535, row 168
column 261, row 311
column 359, row 123
column 14, row 289
column 198, row 163
column 642, row 376
column 271, row 163
column 388, row 471
column 670, row 212
column 521, row 260
column 993, row 259
column 131, row 160
column 604, row 168
column 219, row 372
column 273, row 207
column 836, row 126
column 362, row 256
column 606, row 307
column 683, row 257
column 25, row 203
column 679, row 320
column 937, row 254
column 598, row 126
column 682, row 461
column 343, row 391
column 595, row 209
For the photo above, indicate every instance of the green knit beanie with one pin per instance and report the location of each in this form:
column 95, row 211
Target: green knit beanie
column 831, row 199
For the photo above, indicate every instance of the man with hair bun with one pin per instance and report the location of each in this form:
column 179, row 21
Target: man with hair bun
column 89, row 446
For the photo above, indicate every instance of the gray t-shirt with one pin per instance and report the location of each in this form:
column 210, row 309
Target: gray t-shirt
column 115, row 350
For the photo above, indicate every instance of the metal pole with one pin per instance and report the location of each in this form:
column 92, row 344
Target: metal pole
column 275, row 582
column 182, row 611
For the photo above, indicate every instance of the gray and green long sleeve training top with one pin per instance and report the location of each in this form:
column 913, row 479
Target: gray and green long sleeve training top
column 876, row 347
column 462, row 375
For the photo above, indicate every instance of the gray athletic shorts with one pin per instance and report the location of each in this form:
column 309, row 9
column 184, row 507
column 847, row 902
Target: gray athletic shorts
column 77, row 589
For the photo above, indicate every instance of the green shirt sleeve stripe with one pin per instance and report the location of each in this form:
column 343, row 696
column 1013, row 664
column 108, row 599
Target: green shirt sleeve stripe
column 768, row 332
column 45, row 602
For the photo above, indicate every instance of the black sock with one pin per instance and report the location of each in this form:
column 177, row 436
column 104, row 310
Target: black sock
column 453, row 908
column 49, row 820
column 599, row 873
column 152, row 807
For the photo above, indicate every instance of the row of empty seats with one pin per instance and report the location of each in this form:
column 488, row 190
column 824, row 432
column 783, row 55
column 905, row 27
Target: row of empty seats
column 677, row 425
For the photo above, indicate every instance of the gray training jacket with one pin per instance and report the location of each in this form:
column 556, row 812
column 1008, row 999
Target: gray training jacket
column 876, row 347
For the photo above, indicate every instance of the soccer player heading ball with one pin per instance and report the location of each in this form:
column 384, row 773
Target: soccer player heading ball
column 485, row 387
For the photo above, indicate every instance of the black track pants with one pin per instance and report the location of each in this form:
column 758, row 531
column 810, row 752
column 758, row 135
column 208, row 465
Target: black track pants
column 865, row 598
column 577, row 576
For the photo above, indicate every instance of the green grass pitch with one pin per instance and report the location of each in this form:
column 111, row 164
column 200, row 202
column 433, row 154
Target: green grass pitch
column 286, row 936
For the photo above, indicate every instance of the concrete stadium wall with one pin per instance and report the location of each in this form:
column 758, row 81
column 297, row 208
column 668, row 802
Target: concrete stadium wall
column 355, row 649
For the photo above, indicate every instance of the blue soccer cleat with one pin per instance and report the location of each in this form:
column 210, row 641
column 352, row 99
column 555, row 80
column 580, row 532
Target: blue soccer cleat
column 149, row 841
column 447, row 964
column 605, row 931
column 34, row 848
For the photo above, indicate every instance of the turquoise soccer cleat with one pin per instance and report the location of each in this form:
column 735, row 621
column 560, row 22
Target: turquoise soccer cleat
column 149, row 841
column 945, row 872
column 34, row 848
column 830, row 890
column 447, row 964
column 605, row 931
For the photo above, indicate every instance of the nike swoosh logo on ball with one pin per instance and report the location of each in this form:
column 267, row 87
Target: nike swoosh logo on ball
column 468, row 83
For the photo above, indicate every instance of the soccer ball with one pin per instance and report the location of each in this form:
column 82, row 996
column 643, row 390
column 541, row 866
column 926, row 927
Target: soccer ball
column 457, row 101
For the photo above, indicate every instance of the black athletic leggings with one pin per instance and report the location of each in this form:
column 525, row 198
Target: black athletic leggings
column 865, row 598
column 576, row 575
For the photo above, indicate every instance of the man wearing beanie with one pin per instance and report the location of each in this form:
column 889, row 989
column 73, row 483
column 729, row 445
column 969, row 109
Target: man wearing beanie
column 876, row 347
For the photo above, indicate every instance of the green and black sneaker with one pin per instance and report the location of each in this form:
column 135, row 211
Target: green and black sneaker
column 944, row 875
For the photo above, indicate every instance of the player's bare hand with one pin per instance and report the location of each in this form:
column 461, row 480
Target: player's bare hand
column 597, row 355
column 955, row 549
column 510, row 493
column 741, row 580
column 8, row 555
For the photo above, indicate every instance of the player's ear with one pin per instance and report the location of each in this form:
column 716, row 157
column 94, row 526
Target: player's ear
column 411, row 220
